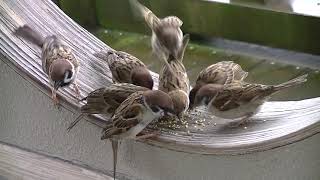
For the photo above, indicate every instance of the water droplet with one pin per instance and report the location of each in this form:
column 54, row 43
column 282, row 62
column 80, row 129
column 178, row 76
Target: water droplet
column 317, row 71
column 215, row 124
column 213, row 52
column 245, row 127
column 272, row 63
column 120, row 33
column 264, row 120
column 106, row 31
column 191, row 47
column 297, row 67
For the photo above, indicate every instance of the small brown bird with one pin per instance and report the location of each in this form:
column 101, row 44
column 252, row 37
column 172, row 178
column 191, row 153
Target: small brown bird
column 106, row 100
column 175, row 81
column 58, row 60
column 166, row 37
column 239, row 99
column 133, row 115
column 224, row 72
column 126, row 68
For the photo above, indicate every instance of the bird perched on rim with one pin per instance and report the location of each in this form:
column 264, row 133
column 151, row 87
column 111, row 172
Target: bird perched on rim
column 166, row 37
column 176, row 82
column 239, row 99
column 134, row 114
column 58, row 60
column 106, row 100
column 126, row 68
column 224, row 72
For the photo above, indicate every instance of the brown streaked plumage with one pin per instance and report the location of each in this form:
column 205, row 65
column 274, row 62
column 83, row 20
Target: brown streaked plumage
column 224, row 72
column 126, row 68
column 173, row 79
column 133, row 115
column 58, row 60
column 166, row 37
column 106, row 100
column 239, row 99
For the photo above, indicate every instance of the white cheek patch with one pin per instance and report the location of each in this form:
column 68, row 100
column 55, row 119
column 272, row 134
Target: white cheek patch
column 69, row 79
column 66, row 79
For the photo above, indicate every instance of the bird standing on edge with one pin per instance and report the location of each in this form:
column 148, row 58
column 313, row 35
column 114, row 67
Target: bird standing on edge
column 176, row 82
column 224, row 72
column 239, row 99
column 58, row 60
column 126, row 68
column 133, row 115
column 166, row 37
column 106, row 100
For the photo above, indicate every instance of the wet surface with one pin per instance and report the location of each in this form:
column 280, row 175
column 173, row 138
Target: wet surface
column 261, row 69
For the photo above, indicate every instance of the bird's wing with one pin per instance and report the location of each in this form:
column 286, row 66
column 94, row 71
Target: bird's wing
column 121, row 65
column 185, row 42
column 143, row 12
column 129, row 118
column 174, row 79
column 126, row 116
column 228, row 98
column 171, row 21
column 224, row 72
column 95, row 102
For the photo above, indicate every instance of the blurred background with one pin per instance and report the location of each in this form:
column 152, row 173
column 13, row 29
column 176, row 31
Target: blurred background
column 274, row 40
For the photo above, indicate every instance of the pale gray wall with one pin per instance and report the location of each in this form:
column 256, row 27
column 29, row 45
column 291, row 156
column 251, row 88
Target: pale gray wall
column 28, row 119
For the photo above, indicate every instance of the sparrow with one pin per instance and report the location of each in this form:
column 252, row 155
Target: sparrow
column 126, row 68
column 166, row 39
column 173, row 79
column 239, row 99
column 224, row 72
column 133, row 115
column 106, row 100
column 58, row 60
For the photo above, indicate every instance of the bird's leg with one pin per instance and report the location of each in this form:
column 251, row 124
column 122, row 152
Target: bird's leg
column 54, row 96
column 244, row 120
column 77, row 91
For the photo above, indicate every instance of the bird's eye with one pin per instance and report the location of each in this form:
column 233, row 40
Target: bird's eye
column 206, row 100
column 155, row 109
column 69, row 74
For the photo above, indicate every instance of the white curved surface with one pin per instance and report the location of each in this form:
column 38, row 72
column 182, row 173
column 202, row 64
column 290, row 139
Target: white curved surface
column 28, row 119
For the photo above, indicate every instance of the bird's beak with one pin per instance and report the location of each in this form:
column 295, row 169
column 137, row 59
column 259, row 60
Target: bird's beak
column 171, row 113
column 57, row 84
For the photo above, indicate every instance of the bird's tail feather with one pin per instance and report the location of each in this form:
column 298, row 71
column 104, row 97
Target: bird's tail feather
column 29, row 34
column 75, row 122
column 142, row 12
column 292, row 82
